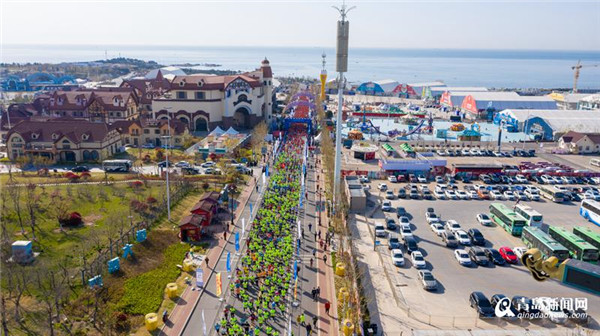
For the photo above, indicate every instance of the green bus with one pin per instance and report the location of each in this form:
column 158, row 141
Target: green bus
column 504, row 216
column 578, row 248
column 589, row 235
column 534, row 237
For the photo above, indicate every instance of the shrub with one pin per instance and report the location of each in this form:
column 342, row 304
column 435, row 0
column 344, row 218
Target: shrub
column 136, row 184
column 151, row 200
column 144, row 293
column 73, row 219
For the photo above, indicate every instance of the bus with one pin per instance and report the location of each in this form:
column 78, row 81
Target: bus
column 578, row 248
column 113, row 166
column 595, row 162
column 534, row 237
column 507, row 218
column 552, row 194
column 590, row 210
column 532, row 217
column 589, row 235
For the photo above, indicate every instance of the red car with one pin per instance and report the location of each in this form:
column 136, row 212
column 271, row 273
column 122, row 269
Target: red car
column 508, row 255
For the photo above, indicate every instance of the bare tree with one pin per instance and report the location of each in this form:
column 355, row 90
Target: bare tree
column 14, row 193
column 18, row 282
column 32, row 201
column 59, row 206
column 46, row 283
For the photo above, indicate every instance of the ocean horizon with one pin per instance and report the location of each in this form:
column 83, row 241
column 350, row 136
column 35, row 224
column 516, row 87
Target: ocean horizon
column 492, row 68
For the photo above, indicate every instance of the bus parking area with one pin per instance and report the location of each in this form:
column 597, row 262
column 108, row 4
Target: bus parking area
column 448, row 306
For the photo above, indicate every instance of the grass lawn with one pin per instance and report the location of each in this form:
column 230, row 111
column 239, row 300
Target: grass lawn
column 32, row 177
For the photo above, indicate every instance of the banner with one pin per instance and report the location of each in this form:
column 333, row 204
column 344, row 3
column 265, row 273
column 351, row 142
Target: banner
column 228, row 262
column 199, row 278
column 244, row 223
column 203, row 323
column 237, row 241
column 219, row 284
column 250, row 207
column 296, row 289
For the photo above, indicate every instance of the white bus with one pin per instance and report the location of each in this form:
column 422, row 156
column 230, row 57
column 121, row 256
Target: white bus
column 590, row 210
column 532, row 217
column 114, row 166
column 552, row 194
column 595, row 162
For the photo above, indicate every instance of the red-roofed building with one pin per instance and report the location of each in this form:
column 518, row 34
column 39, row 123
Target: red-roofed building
column 191, row 227
column 202, row 214
column 100, row 105
column 580, row 143
column 206, row 101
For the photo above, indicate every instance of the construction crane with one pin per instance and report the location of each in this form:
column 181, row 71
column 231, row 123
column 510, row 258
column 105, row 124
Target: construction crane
column 578, row 67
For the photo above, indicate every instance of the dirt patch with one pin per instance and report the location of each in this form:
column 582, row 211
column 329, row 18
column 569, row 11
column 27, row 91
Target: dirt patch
column 90, row 220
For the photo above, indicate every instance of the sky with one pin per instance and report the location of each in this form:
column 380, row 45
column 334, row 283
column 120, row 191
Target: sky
column 509, row 24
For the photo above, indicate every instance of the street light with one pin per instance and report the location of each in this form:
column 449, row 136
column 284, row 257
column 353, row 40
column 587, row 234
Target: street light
column 167, row 139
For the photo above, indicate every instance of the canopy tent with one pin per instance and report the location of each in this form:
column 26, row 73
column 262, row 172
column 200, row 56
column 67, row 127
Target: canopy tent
column 231, row 131
column 218, row 131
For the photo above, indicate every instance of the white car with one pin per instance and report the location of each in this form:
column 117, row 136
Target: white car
column 496, row 195
column 450, row 194
column 462, row 257
column 509, row 196
column 532, row 195
column 397, row 257
column 386, row 206
column 452, row 225
column 473, row 194
column 380, row 230
column 463, row 237
column 364, row 179
column 519, row 251
column 431, row 217
column 208, row 164
column 182, row 164
column 551, row 310
column 437, row 228
column 423, row 187
column 404, row 221
column 461, row 194
column 465, row 152
column 439, row 194
column 382, row 186
column 521, row 179
column 422, row 179
column 484, row 219
column 390, row 194
column 557, row 180
column 417, row 260
column 475, row 152
column 405, row 232
column 392, row 179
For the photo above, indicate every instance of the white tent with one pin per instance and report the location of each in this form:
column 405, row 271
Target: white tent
column 218, row 131
column 232, row 131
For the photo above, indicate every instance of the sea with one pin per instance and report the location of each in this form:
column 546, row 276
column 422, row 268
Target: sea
column 456, row 67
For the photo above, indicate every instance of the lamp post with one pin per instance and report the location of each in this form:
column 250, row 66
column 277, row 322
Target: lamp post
column 167, row 139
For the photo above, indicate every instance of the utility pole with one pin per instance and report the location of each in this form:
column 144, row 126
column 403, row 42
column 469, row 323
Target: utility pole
column 341, row 66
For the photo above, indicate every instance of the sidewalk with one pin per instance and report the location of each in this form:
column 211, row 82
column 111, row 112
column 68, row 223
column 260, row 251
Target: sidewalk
column 328, row 323
column 187, row 301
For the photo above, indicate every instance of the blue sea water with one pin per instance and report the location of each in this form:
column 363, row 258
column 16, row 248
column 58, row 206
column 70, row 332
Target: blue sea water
column 489, row 68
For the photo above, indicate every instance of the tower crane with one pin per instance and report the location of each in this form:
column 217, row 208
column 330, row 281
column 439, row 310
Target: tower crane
column 577, row 68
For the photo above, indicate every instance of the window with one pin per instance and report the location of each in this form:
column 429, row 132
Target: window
column 181, row 95
column 156, row 131
column 146, row 131
column 199, row 95
column 118, row 114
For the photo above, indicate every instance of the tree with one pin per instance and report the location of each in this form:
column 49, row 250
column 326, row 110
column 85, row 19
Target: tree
column 18, row 282
column 60, row 207
column 32, row 202
column 14, row 193
column 258, row 136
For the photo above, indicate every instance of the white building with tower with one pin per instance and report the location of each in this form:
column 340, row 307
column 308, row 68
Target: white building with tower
column 204, row 102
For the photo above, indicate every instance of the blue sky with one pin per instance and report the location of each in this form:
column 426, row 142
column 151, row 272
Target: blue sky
column 562, row 25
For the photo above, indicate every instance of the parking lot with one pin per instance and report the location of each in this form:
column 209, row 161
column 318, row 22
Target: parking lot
column 450, row 303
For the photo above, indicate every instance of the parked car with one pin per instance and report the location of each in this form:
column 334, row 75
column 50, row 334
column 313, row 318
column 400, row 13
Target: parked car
column 484, row 219
column 439, row 179
column 208, row 164
column 524, row 305
column 437, row 228
column 439, row 194
column 509, row 196
column 390, row 223
column 148, row 145
column 182, row 164
column 80, row 169
column 519, row 251
column 494, row 256
column 414, row 194
column 404, row 221
column 476, row 237
column 386, row 206
column 406, row 232
column 496, row 195
column 364, row 179
column 462, row 257
column 380, row 230
column 392, row 179
column 496, row 298
column 400, row 211
column 450, row 194
column 393, row 242
column 417, row 259
column 382, row 186
column 532, row 195
column 552, row 312
column 477, row 255
column 473, row 194
column 463, row 237
column 449, row 239
column 163, row 164
column 482, row 305
column 461, row 194
column 390, row 194
column 427, row 195
column 452, row 225
column 397, row 257
column 508, row 255
column 410, row 243
column 431, row 217
column 401, row 193
column 427, row 279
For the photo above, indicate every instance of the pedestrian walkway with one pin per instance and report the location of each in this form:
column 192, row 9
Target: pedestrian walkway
column 180, row 315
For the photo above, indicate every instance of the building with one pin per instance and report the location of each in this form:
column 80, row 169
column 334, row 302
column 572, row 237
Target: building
column 377, row 88
column 437, row 92
column 205, row 101
column 580, row 143
column 63, row 140
column 192, row 227
column 148, row 89
column 419, row 87
column 168, row 71
column 144, row 131
column 98, row 105
column 549, row 124
column 482, row 104
column 591, row 102
column 567, row 101
column 357, row 197
column 423, row 164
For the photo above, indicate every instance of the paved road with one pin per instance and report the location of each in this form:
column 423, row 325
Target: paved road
column 209, row 303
